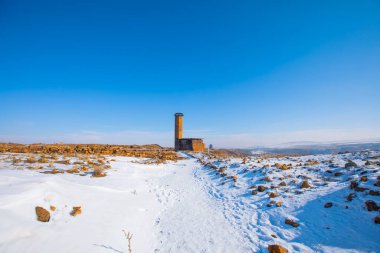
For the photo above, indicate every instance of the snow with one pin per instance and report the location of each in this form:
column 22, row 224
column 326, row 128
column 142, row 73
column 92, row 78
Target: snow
column 185, row 206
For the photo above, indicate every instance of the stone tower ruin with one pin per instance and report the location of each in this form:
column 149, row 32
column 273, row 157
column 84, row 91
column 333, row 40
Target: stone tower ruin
column 191, row 144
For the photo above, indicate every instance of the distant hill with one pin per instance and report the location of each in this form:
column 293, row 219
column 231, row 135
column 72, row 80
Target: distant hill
column 312, row 149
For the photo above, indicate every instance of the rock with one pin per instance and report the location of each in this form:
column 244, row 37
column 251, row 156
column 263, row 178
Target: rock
column 52, row 208
column 374, row 193
column 235, row 178
column 282, row 183
column 276, row 249
column 364, row 179
column 360, row 189
column 279, row 203
column 278, row 165
column 43, row 215
column 351, row 196
column 353, row 184
column 292, row 223
column 377, row 184
column 268, row 179
column 254, row 192
column 261, row 188
column 273, row 195
column 305, row 184
column 350, row 164
column 371, row 205
column 377, row 220
column 328, row 205
column 269, row 205
column 337, row 174
column 76, row 210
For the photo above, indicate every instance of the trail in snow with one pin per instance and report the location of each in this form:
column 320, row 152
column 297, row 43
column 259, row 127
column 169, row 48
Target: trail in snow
column 191, row 221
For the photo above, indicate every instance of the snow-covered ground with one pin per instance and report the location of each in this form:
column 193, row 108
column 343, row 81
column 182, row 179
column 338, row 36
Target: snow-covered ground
column 192, row 205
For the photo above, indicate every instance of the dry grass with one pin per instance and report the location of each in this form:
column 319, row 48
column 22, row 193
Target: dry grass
column 96, row 150
column 99, row 172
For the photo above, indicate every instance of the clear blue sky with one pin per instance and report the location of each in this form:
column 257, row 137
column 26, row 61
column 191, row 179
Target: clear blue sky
column 244, row 73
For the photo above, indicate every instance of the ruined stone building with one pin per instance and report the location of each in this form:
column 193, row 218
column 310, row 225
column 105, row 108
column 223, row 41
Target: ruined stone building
column 192, row 144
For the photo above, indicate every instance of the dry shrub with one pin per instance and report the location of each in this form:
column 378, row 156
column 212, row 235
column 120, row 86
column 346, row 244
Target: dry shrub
column 312, row 162
column 55, row 157
column 98, row 172
column 31, row 159
column 76, row 210
column 43, row 160
column 67, row 162
column 16, row 160
column 53, row 171
column 34, row 167
column 84, row 168
column 73, row 170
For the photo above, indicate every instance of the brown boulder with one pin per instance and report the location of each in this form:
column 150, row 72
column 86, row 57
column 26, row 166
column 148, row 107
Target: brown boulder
column 360, row 189
column 292, row 223
column 282, row 183
column 328, row 205
column 353, row 184
column 43, row 215
column 377, row 184
column 350, row 164
column 363, row 178
column 337, row 174
column 305, row 184
column 254, row 192
column 371, row 205
column 261, row 188
column 273, row 195
column 351, row 196
column 377, row 220
column 374, row 193
column 276, row 249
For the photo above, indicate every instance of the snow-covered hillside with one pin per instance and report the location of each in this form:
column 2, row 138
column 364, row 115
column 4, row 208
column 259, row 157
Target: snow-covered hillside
column 197, row 204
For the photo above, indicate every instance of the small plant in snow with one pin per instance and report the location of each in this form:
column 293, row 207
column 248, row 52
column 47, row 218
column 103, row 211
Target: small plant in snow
column 128, row 236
